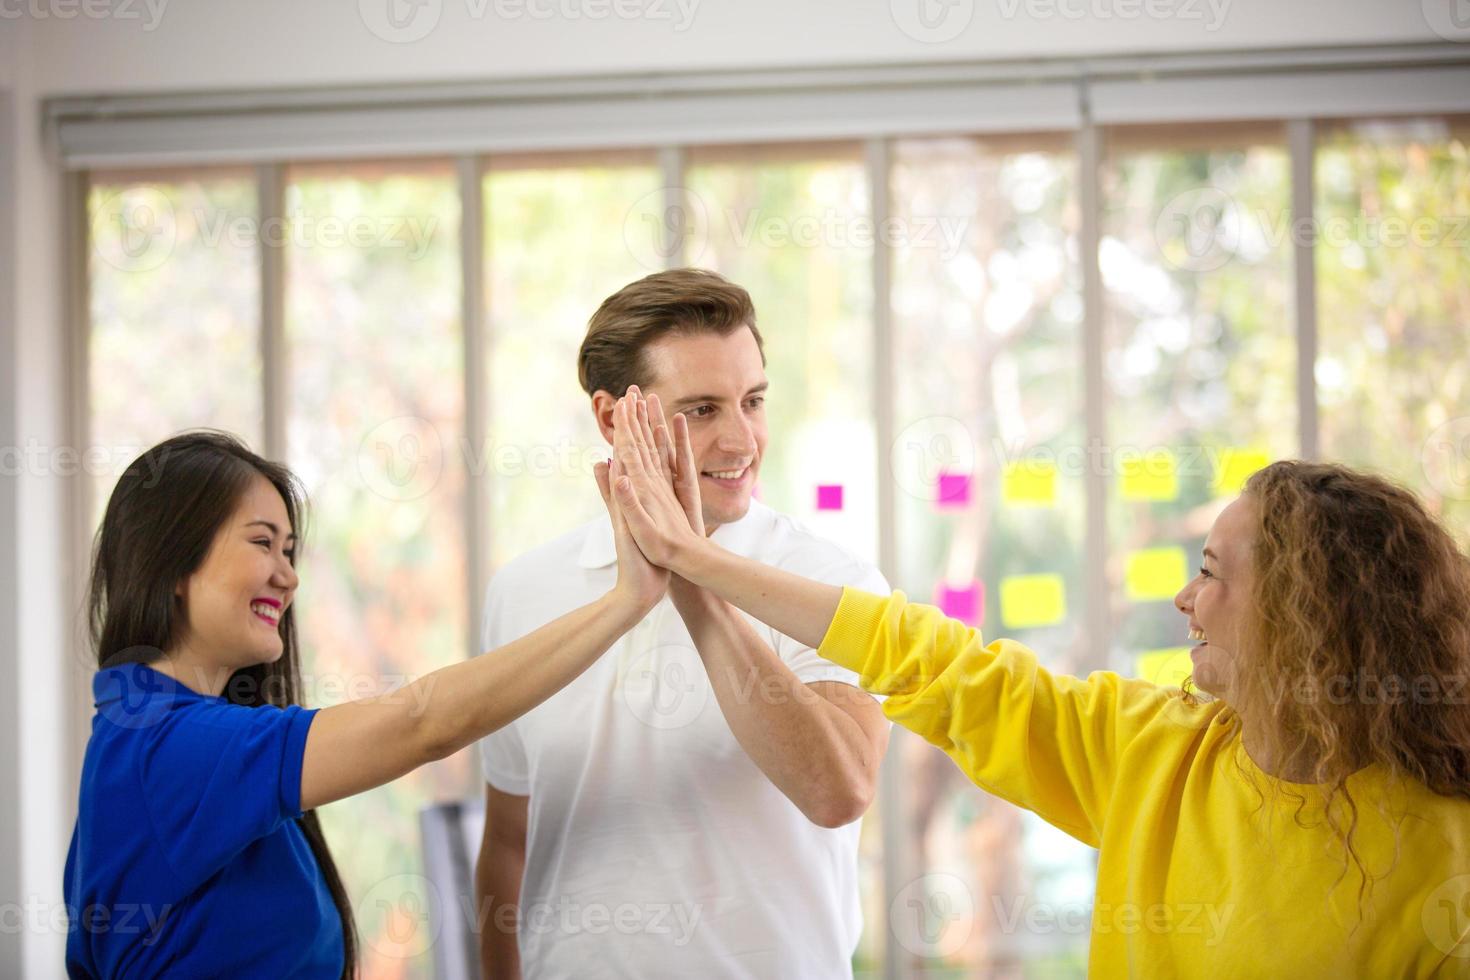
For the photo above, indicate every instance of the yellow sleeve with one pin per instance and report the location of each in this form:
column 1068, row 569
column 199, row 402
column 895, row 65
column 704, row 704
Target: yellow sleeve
column 1047, row 742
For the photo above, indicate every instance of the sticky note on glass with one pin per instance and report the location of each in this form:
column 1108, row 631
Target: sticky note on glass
column 1032, row 600
column 1234, row 467
column 1167, row 668
column 1155, row 573
column 965, row 603
column 952, row 491
column 1029, row 484
column 829, row 496
column 1151, row 476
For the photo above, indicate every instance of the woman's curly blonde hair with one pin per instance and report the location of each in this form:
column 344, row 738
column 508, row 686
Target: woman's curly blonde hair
column 1357, row 650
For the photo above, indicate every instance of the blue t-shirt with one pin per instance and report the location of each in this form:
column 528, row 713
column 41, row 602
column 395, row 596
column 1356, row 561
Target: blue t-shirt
column 187, row 858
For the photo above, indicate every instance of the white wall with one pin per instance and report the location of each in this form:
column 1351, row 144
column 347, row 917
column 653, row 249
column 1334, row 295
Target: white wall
column 220, row 44
column 211, row 44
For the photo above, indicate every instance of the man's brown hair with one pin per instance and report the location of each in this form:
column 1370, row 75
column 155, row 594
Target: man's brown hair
column 678, row 301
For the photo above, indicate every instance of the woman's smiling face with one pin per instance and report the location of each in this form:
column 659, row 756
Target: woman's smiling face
column 234, row 602
column 1217, row 602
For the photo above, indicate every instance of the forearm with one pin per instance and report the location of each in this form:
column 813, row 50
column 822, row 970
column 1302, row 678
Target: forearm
column 466, row 701
column 498, row 892
column 790, row 604
column 809, row 748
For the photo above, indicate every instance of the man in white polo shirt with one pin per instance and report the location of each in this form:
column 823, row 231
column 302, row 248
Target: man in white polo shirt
column 689, row 806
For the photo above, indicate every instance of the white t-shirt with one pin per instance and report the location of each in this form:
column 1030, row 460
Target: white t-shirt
column 655, row 846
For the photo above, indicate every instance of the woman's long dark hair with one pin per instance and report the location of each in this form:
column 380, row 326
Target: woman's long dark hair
column 160, row 522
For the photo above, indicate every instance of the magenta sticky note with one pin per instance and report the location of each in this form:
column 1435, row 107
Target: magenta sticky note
column 967, row 603
column 829, row 496
column 954, row 490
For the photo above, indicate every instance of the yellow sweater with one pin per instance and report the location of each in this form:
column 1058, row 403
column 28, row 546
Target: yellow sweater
column 1195, row 878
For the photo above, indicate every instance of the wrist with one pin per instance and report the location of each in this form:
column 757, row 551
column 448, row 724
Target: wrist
column 626, row 608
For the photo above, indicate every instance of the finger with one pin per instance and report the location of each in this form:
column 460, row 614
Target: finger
column 665, row 445
column 646, row 442
column 625, row 440
column 687, row 482
column 635, row 429
column 599, row 472
column 665, row 449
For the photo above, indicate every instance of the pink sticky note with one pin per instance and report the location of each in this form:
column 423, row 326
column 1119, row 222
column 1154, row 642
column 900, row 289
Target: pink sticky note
column 966, row 603
column 829, row 496
column 954, row 490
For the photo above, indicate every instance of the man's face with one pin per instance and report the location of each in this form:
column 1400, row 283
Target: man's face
column 719, row 384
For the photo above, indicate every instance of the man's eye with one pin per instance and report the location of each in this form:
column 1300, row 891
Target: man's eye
column 700, row 410
column 757, row 402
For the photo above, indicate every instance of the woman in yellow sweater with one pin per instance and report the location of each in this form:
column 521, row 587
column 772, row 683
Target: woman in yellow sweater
column 1310, row 818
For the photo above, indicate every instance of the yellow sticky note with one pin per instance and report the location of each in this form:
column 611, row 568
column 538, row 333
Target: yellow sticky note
column 1032, row 483
column 1234, row 467
column 1032, row 600
column 1167, row 668
column 1155, row 573
column 1151, row 476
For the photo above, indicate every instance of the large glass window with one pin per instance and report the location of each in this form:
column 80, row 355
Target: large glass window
column 1393, row 261
column 1199, row 358
column 987, row 326
column 562, row 234
column 174, row 340
column 376, row 422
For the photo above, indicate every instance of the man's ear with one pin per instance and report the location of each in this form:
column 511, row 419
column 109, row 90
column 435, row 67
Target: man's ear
column 603, row 403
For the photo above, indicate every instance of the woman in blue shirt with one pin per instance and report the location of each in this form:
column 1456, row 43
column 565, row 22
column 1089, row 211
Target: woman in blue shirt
column 197, row 850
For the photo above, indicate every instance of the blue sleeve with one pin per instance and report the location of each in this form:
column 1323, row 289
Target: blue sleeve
column 218, row 777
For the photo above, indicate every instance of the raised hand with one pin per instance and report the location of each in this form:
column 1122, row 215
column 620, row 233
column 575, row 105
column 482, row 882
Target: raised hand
column 677, row 450
column 641, row 583
column 644, row 483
